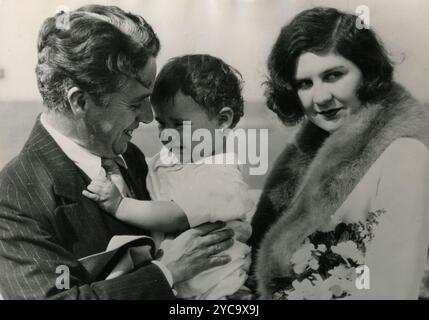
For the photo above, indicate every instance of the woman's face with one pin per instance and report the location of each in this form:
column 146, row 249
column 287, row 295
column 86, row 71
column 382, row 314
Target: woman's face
column 327, row 87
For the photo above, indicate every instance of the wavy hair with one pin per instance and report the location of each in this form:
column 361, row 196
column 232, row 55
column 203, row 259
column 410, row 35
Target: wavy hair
column 100, row 48
column 320, row 31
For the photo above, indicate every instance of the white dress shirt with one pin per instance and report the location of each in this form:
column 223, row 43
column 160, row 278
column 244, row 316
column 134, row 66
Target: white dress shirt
column 90, row 164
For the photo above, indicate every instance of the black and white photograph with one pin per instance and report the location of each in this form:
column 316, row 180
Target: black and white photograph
column 222, row 150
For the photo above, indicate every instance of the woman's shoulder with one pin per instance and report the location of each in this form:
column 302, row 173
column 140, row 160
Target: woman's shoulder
column 403, row 177
column 405, row 161
column 409, row 150
column 408, row 144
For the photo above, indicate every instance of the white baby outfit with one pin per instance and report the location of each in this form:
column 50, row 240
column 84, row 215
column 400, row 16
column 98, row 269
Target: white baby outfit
column 207, row 192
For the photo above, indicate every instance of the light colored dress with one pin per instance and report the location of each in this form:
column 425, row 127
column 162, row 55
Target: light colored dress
column 390, row 207
column 207, row 192
column 398, row 183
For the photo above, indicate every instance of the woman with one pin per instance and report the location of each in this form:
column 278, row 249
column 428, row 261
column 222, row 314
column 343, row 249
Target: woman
column 344, row 210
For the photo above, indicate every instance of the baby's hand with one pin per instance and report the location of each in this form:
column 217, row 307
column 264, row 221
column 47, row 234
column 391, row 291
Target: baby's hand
column 103, row 191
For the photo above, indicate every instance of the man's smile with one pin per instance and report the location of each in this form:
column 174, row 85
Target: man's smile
column 129, row 132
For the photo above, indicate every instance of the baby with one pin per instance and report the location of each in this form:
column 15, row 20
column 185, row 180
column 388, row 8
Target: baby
column 188, row 188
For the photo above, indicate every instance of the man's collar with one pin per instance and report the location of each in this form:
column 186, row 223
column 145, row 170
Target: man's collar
column 88, row 162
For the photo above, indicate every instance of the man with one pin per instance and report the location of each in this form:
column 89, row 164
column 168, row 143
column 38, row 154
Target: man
column 95, row 73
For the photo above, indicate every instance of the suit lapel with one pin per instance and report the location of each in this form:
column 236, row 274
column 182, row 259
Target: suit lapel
column 83, row 227
column 63, row 171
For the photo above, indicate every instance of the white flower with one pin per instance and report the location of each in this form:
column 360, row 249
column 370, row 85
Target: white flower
column 337, row 286
column 337, row 290
column 301, row 290
column 342, row 280
column 302, row 257
column 317, row 289
column 321, row 290
column 321, row 248
column 348, row 249
column 314, row 264
column 342, row 272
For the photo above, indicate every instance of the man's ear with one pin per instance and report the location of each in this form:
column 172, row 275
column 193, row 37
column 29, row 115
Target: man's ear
column 225, row 117
column 77, row 101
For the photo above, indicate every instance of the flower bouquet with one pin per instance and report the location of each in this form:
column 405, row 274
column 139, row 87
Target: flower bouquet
column 326, row 265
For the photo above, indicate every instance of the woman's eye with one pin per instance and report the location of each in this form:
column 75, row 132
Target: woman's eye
column 303, row 85
column 334, row 76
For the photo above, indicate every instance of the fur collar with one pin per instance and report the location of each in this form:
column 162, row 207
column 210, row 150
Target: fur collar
column 320, row 171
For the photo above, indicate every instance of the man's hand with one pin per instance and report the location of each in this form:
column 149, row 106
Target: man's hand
column 200, row 250
column 104, row 192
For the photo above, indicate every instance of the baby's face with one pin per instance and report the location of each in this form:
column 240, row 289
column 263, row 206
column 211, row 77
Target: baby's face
column 184, row 108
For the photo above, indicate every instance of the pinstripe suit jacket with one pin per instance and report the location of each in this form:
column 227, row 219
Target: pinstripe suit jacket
column 45, row 222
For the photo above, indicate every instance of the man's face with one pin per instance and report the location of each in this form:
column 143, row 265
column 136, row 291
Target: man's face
column 109, row 129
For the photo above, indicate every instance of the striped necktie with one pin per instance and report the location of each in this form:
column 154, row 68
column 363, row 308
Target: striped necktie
column 113, row 171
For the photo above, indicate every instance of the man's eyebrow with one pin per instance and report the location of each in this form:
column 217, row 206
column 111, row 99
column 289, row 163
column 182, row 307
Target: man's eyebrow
column 147, row 84
column 140, row 98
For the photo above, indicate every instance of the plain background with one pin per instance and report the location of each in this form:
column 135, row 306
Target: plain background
column 241, row 32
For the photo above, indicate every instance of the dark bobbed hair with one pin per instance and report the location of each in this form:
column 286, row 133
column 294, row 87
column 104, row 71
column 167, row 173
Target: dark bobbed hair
column 208, row 80
column 321, row 31
column 97, row 51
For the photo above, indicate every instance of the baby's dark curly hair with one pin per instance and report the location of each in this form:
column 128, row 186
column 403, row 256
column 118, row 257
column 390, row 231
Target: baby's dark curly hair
column 321, row 31
column 208, row 80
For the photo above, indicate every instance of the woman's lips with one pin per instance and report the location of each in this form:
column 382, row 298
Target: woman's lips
column 330, row 113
